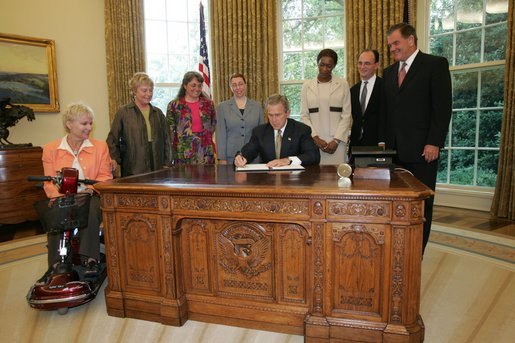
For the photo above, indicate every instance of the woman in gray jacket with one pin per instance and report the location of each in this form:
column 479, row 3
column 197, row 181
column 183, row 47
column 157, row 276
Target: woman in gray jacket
column 236, row 118
column 139, row 139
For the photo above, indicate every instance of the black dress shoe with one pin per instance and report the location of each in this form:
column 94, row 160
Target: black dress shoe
column 92, row 268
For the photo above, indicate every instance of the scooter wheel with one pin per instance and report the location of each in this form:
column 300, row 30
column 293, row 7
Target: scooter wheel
column 62, row 311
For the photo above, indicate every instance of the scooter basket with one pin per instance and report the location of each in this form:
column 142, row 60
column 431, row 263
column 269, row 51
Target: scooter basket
column 64, row 213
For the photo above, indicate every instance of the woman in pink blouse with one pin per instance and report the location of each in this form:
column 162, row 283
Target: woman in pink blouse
column 192, row 120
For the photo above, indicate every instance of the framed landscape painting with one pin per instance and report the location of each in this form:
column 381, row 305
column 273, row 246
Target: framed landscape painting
column 27, row 72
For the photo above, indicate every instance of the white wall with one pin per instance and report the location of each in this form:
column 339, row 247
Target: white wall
column 77, row 27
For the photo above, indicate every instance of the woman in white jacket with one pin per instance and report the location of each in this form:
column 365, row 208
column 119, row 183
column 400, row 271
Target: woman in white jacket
column 326, row 108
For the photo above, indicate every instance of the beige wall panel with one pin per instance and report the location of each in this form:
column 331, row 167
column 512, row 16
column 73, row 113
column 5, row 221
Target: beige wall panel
column 77, row 27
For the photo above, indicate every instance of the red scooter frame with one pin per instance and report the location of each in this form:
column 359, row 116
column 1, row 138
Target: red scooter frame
column 67, row 286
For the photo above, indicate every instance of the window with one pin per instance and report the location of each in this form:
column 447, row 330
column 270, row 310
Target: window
column 306, row 27
column 172, row 40
column 471, row 34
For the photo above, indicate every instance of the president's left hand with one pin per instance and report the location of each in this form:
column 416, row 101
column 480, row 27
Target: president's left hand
column 278, row 162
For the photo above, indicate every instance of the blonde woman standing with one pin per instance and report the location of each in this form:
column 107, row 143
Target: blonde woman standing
column 139, row 140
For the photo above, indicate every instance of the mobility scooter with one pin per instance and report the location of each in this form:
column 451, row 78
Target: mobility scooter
column 68, row 285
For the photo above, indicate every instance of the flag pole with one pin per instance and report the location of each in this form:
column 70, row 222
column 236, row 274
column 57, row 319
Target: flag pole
column 203, row 65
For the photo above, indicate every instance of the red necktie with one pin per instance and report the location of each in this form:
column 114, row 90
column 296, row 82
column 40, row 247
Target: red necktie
column 402, row 73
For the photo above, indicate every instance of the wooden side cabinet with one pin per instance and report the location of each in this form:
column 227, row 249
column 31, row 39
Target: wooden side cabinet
column 17, row 195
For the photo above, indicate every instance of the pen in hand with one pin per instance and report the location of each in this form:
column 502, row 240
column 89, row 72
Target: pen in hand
column 240, row 161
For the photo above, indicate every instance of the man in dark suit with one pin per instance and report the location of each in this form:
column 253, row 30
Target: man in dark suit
column 366, row 101
column 417, row 105
column 280, row 142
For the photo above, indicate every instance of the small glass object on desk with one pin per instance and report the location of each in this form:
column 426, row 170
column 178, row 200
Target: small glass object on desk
column 344, row 171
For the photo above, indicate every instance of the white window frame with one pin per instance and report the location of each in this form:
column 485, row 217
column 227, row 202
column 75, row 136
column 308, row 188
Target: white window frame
column 194, row 57
column 282, row 82
column 459, row 196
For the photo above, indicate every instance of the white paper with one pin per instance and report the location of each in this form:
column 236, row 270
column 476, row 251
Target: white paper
column 263, row 167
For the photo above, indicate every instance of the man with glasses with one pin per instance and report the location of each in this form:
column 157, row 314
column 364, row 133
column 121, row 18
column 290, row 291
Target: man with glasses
column 366, row 101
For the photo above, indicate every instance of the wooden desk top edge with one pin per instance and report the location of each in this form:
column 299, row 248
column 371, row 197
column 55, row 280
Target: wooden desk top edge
column 223, row 181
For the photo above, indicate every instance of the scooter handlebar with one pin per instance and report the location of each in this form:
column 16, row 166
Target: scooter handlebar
column 39, row 178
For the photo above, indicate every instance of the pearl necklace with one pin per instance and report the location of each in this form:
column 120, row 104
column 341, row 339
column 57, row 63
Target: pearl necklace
column 75, row 151
column 241, row 102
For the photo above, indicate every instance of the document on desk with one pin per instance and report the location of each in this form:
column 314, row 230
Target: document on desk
column 257, row 167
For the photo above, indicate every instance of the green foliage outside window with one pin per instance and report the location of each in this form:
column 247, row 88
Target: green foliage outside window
column 308, row 26
column 472, row 35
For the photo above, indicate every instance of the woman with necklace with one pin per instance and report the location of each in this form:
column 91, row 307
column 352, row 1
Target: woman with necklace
column 326, row 108
column 91, row 158
column 139, row 140
column 192, row 119
column 235, row 120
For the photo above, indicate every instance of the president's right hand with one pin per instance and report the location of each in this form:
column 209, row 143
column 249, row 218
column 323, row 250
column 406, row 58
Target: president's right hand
column 240, row 161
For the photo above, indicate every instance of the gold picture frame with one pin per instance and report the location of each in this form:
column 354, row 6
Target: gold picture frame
column 28, row 72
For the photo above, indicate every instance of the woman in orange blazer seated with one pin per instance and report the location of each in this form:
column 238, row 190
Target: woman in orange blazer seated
column 91, row 158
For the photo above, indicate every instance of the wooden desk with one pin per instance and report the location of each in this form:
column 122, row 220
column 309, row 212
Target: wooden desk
column 287, row 252
column 16, row 193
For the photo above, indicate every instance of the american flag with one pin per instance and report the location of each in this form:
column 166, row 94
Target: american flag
column 203, row 64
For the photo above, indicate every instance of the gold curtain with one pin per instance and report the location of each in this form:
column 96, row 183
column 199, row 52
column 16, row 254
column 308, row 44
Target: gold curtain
column 412, row 12
column 244, row 40
column 503, row 204
column 125, row 48
column 367, row 22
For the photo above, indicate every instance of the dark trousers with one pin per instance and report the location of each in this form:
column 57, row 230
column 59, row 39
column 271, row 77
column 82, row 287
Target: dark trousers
column 88, row 236
column 426, row 173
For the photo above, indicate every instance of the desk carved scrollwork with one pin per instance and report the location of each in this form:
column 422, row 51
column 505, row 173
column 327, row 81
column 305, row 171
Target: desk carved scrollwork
column 292, row 255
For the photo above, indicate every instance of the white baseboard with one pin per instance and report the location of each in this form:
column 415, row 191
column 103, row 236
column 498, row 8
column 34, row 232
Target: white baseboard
column 472, row 198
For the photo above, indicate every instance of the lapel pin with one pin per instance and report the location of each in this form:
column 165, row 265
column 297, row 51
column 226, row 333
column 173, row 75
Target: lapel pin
column 289, row 138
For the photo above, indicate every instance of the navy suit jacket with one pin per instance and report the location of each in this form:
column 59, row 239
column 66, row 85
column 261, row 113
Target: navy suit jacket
column 297, row 141
column 368, row 122
column 418, row 112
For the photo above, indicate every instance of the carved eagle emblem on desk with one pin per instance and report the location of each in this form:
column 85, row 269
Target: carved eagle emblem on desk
column 244, row 255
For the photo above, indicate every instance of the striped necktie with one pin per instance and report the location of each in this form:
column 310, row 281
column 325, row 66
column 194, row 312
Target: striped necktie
column 363, row 99
column 278, row 140
column 402, row 73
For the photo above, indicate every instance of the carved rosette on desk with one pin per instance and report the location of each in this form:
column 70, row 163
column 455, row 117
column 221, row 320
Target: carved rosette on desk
column 315, row 261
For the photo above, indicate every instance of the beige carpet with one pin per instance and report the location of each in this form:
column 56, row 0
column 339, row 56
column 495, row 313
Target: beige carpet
column 468, row 295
